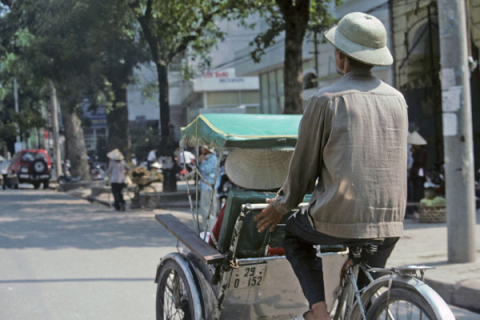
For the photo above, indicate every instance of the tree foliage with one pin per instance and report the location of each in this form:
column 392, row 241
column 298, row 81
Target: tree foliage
column 277, row 13
column 293, row 18
column 172, row 28
column 12, row 46
column 89, row 49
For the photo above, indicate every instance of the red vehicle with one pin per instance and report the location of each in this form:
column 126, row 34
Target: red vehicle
column 31, row 166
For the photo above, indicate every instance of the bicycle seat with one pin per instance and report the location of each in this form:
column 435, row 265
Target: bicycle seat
column 354, row 243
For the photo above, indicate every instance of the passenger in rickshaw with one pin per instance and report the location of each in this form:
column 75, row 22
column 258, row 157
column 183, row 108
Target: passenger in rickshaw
column 353, row 139
column 208, row 164
column 254, row 173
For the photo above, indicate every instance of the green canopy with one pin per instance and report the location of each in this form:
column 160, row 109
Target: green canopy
column 243, row 131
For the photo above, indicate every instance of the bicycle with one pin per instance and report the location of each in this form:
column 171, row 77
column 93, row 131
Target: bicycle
column 145, row 195
column 401, row 294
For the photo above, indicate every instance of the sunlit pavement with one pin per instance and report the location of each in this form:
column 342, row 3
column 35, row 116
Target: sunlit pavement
column 64, row 258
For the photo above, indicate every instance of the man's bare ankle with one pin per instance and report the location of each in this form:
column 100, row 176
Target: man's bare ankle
column 318, row 312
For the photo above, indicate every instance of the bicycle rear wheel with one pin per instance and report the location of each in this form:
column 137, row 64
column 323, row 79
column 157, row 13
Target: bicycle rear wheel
column 402, row 304
column 174, row 296
column 152, row 197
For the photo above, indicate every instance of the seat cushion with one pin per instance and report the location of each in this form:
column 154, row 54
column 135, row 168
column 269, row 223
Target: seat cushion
column 235, row 199
column 251, row 243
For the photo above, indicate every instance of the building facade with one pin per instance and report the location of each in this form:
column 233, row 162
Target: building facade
column 221, row 92
column 416, row 48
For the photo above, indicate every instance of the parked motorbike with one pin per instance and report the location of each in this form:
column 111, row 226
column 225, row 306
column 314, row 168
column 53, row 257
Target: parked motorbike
column 189, row 173
column 97, row 172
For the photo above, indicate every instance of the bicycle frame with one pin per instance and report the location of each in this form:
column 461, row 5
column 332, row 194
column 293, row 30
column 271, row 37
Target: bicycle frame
column 401, row 277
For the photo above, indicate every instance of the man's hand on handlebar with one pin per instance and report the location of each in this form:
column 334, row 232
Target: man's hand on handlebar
column 268, row 218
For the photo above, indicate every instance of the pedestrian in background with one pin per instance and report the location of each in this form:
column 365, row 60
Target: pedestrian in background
column 152, row 157
column 117, row 169
column 416, row 177
column 133, row 160
column 208, row 166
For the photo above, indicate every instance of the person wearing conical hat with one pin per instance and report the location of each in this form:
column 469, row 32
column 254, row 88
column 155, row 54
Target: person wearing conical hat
column 117, row 170
column 417, row 174
column 352, row 153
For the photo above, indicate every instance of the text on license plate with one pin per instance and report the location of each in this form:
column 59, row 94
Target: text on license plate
column 248, row 276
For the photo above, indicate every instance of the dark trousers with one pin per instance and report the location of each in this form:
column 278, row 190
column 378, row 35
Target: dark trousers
column 119, row 202
column 300, row 238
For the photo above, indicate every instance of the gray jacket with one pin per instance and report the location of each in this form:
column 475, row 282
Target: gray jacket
column 352, row 153
column 117, row 169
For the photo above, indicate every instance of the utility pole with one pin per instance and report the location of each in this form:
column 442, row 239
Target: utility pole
column 457, row 131
column 315, row 54
column 54, row 115
column 18, row 143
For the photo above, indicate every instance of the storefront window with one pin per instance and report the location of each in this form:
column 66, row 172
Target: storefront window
column 252, row 97
column 272, row 84
column 222, row 98
column 272, row 90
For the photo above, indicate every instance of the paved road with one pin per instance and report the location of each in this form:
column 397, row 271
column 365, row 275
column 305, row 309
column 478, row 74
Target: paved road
column 63, row 258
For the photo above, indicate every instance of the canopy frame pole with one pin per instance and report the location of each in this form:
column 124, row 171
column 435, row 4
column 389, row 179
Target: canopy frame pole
column 188, row 190
column 196, row 188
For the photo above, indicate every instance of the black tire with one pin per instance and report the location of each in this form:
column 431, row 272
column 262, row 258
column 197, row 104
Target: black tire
column 174, row 297
column 15, row 186
column 39, row 166
column 36, row 185
column 410, row 301
column 46, row 184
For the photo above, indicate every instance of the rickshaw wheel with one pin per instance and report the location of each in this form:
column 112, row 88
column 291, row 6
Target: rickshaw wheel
column 174, row 296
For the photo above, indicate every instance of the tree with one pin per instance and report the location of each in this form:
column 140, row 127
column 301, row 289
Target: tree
column 56, row 52
column 89, row 49
column 116, row 43
column 170, row 28
column 294, row 18
column 31, row 104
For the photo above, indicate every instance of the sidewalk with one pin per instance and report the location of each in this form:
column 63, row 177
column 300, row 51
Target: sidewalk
column 176, row 199
column 426, row 244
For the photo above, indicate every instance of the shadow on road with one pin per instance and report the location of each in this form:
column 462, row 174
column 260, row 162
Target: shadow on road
column 78, row 280
column 51, row 220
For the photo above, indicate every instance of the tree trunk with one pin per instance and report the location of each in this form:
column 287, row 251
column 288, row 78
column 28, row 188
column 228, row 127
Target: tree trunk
column 76, row 150
column 293, row 78
column 296, row 21
column 167, row 143
column 117, row 121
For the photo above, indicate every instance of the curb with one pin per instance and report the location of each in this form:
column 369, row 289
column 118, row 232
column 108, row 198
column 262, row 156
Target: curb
column 463, row 294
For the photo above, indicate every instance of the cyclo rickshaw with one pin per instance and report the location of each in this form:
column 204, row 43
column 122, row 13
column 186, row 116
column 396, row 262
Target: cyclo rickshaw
column 242, row 276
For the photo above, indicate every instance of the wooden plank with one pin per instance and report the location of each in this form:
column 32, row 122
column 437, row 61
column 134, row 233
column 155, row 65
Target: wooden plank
column 190, row 239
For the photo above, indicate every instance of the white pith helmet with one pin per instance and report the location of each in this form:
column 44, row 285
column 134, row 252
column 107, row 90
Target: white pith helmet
column 361, row 37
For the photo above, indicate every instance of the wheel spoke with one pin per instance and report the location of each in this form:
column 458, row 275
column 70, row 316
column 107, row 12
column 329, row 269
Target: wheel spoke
column 403, row 310
column 175, row 298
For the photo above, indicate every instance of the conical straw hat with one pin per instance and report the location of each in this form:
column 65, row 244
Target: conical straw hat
column 258, row 169
column 416, row 138
column 115, row 154
column 156, row 165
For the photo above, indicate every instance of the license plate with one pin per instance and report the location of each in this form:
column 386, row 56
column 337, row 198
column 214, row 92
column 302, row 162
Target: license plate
column 24, row 176
column 248, row 276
